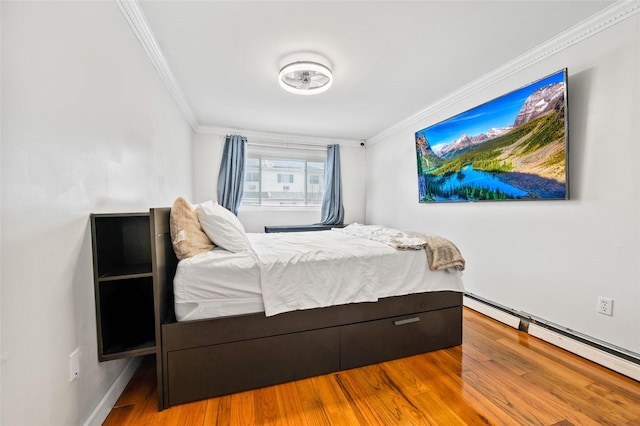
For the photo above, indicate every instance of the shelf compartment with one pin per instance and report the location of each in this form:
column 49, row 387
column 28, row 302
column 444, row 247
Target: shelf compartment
column 126, row 318
column 121, row 243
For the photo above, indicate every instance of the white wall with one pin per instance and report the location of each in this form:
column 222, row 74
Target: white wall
column 208, row 153
column 547, row 258
column 88, row 126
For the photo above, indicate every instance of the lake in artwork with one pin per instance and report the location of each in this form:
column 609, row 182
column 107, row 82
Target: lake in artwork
column 469, row 178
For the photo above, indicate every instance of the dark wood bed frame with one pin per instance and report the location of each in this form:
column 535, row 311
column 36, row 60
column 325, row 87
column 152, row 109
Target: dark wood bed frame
column 206, row 358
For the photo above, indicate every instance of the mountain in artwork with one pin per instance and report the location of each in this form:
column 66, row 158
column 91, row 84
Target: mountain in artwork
column 428, row 159
column 465, row 142
column 539, row 103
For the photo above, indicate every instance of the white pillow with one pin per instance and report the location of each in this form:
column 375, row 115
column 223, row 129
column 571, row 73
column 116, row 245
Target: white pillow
column 222, row 227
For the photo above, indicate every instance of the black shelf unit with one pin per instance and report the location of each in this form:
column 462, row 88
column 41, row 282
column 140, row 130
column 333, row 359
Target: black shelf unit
column 123, row 285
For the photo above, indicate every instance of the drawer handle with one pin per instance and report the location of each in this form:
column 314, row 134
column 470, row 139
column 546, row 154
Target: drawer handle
column 406, row 321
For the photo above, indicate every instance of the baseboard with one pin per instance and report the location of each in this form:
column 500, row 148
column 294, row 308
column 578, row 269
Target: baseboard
column 601, row 357
column 492, row 312
column 102, row 410
column 615, row 359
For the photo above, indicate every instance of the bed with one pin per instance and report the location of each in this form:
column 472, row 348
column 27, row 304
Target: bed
column 251, row 344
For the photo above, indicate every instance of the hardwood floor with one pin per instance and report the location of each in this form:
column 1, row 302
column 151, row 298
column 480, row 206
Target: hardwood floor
column 498, row 376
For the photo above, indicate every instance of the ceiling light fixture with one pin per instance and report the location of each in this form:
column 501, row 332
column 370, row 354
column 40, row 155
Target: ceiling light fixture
column 305, row 77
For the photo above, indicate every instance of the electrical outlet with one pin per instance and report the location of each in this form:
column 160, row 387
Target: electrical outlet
column 605, row 305
column 74, row 365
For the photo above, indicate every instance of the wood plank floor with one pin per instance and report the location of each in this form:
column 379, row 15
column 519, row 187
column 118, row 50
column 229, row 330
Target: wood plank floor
column 499, row 376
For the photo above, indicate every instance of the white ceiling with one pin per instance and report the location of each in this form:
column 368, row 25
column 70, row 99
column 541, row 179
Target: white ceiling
column 391, row 59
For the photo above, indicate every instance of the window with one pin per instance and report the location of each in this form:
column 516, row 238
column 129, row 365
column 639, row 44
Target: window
column 272, row 179
column 285, row 178
column 252, row 177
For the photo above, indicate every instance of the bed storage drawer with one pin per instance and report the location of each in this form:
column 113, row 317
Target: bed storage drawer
column 249, row 364
column 382, row 340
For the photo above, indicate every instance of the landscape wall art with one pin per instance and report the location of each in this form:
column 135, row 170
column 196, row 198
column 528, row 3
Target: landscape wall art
column 511, row 148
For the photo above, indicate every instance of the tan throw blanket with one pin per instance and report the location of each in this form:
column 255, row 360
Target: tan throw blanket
column 441, row 253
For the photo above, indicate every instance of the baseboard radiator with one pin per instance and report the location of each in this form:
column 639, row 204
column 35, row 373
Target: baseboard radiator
column 617, row 359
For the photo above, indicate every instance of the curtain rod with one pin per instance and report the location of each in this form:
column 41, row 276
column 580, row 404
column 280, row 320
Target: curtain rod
column 286, row 145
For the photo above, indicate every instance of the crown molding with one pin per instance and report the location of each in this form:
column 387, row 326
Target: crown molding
column 278, row 138
column 606, row 18
column 136, row 20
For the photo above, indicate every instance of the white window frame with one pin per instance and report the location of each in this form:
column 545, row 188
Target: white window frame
column 271, row 151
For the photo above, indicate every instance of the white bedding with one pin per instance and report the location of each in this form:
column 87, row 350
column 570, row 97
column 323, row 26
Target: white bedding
column 290, row 271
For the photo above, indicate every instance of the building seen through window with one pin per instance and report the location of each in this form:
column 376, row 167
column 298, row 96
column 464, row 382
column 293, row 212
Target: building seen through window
column 273, row 181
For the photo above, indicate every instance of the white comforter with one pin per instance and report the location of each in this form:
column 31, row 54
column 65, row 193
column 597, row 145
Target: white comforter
column 291, row 271
column 317, row 269
column 325, row 268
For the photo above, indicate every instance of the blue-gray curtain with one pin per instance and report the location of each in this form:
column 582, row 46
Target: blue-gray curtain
column 231, row 176
column 332, row 208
